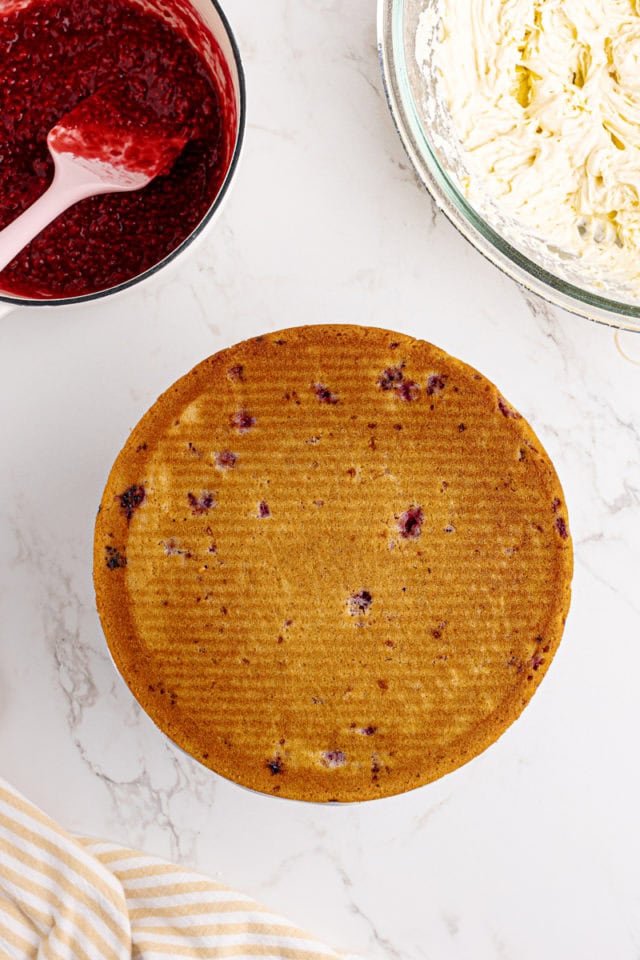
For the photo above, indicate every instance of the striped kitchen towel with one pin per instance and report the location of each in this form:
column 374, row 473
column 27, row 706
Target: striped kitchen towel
column 64, row 898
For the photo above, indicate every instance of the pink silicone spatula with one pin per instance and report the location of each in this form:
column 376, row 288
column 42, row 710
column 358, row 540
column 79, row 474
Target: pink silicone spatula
column 107, row 144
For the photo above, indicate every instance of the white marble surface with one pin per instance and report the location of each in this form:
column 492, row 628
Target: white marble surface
column 533, row 849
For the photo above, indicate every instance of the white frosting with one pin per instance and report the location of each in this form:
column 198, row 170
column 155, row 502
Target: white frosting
column 545, row 97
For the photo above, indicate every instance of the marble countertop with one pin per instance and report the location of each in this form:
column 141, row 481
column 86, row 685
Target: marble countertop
column 531, row 850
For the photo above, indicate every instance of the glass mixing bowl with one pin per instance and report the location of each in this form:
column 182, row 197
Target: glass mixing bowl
column 435, row 152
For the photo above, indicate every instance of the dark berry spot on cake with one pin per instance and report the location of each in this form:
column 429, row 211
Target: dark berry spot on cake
column 114, row 558
column 408, row 390
column 194, row 450
column 131, row 499
column 449, row 528
column 536, row 661
column 436, row 384
column 275, row 766
column 391, row 377
column 522, row 454
column 461, row 428
column 561, row 527
column 172, row 547
column 555, row 506
column 236, row 373
column 333, row 759
column 410, row 523
column 394, row 345
column 384, row 685
column 141, row 447
column 376, row 768
column 263, row 510
column 202, row 504
column 359, row 603
column 368, row 731
column 226, row 460
column 323, row 394
column 397, row 426
column 372, row 426
column 506, row 410
column 242, row 421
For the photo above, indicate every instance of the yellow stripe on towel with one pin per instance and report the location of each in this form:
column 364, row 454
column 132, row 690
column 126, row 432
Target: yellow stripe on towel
column 63, row 898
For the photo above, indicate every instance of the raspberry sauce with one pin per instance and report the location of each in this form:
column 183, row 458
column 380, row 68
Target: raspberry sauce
column 55, row 53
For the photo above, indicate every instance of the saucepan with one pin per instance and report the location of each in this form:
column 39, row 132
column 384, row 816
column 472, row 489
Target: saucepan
column 204, row 23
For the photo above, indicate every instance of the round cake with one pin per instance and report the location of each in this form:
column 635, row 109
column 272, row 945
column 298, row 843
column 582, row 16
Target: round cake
column 333, row 563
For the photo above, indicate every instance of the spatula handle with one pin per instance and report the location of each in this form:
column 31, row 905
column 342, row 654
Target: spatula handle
column 67, row 188
column 54, row 201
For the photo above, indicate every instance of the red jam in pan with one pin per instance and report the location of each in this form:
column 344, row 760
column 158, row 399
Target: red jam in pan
column 53, row 54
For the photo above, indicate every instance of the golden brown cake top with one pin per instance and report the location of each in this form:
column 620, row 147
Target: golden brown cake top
column 333, row 563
